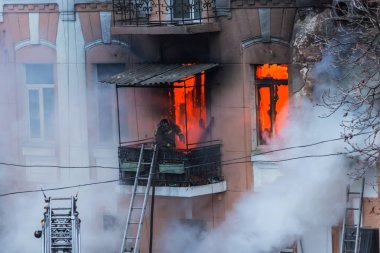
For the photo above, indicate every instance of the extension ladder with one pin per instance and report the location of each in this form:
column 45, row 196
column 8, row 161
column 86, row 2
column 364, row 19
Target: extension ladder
column 350, row 238
column 133, row 228
column 61, row 226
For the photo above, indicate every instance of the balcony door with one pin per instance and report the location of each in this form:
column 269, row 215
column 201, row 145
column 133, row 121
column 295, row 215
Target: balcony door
column 187, row 10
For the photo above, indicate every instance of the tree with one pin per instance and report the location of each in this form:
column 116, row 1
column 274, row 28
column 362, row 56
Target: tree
column 351, row 36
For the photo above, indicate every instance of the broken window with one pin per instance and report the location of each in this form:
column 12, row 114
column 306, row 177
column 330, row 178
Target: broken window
column 189, row 108
column 272, row 97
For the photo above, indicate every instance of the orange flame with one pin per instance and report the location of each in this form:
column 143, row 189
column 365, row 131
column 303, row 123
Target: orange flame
column 281, row 107
column 190, row 107
column 272, row 114
column 265, row 113
column 274, row 71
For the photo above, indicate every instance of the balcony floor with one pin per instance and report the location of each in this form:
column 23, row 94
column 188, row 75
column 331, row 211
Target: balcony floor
column 169, row 29
column 186, row 192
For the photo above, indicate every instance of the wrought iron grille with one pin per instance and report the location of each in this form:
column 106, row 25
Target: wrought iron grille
column 162, row 12
column 175, row 167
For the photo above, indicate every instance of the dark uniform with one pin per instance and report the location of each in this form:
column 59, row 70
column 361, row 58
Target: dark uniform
column 165, row 134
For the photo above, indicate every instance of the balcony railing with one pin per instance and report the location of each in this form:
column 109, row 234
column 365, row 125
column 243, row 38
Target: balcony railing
column 174, row 167
column 162, row 12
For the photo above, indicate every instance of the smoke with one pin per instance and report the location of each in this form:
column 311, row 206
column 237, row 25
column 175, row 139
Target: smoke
column 302, row 204
column 21, row 214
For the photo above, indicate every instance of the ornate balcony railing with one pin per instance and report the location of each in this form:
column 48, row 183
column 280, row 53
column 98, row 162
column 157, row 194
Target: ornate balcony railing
column 162, row 12
column 174, row 167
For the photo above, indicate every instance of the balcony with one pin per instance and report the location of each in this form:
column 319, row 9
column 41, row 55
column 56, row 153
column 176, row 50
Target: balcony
column 164, row 16
column 178, row 172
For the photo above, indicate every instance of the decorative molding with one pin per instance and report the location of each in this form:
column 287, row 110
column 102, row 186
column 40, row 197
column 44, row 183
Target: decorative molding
column 24, row 43
column 66, row 7
column 264, row 14
column 105, row 23
column 258, row 40
column 34, row 28
column 98, row 42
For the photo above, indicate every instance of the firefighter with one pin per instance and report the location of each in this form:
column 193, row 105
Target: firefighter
column 165, row 134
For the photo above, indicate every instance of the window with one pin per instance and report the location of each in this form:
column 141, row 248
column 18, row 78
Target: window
column 106, row 102
column 41, row 106
column 272, row 100
column 187, row 9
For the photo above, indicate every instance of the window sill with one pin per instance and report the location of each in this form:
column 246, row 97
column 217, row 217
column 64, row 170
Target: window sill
column 39, row 149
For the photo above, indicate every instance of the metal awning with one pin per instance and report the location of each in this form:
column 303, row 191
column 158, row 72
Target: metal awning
column 156, row 75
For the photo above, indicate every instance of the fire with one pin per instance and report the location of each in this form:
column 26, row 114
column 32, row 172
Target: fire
column 281, row 106
column 190, row 107
column 272, row 100
column 265, row 113
column 274, row 71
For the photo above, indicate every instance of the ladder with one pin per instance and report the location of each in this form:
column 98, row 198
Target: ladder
column 133, row 227
column 350, row 238
column 61, row 226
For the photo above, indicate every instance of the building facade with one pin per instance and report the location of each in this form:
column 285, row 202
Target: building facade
column 57, row 112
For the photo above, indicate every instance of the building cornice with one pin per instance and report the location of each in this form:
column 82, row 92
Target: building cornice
column 65, row 7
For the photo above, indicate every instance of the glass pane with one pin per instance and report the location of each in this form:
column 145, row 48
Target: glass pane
column 265, row 122
column 48, row 100
column 181, row 9
column 34, row 114
column 39, row 73
column 108, row 70
column 197, row 9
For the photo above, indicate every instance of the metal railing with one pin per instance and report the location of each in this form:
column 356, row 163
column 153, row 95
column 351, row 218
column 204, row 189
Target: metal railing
column 162, row 12
column 175, row 167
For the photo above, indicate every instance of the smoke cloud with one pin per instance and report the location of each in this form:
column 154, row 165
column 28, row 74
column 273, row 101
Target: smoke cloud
column 302, row 204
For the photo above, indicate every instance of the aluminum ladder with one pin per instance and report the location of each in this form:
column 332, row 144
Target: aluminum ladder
column 133, row 227
column 61, row 226
column 350, row 237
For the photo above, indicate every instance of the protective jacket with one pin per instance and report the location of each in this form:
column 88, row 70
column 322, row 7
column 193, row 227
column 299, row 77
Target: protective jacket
column 165, row 134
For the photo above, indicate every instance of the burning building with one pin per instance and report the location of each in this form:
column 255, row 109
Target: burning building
column 85, row 80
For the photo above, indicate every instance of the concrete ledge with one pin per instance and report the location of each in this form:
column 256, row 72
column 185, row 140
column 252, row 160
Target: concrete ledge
column 178, row 191
column 174, row 29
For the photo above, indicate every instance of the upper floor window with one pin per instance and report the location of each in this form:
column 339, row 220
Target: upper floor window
column 39, row 80
column 272, row 100
column 187, row 9
column 106, row 102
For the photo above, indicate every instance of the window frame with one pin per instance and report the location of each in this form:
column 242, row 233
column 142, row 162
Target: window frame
column 39, row 87
column 193, row 18
column 271, row 83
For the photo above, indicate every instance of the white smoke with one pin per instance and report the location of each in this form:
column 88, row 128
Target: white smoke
column 302, row 204
column 21, row 214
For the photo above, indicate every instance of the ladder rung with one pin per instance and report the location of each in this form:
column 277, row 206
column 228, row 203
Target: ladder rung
column 138, row 207
column 143, row 178
column 354, row 193
column 134, row 222
column 60, row 198
column 352, row 208
column 350, row 240
column 61, row 246
column 130, row 237
column 61, row 216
